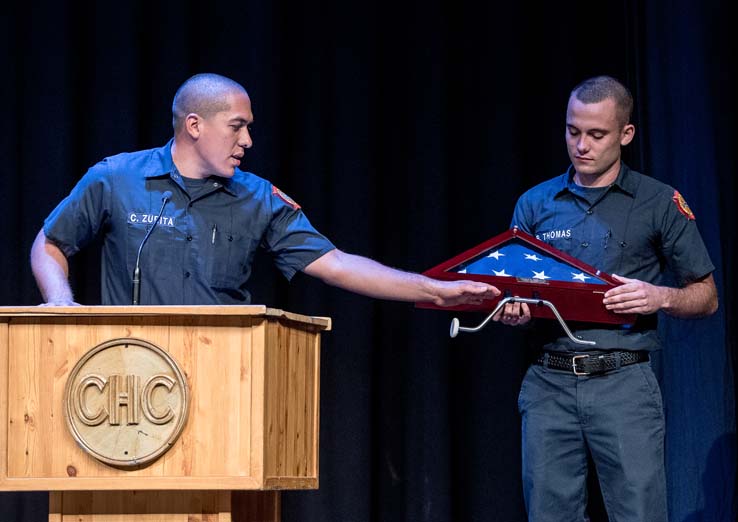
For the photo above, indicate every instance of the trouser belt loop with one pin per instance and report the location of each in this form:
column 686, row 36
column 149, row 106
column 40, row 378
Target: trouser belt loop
column 617, row 360
column 545, row 360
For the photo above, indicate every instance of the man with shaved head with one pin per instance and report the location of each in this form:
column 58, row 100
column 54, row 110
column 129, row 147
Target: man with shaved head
column 202, row 219
column 203, row 94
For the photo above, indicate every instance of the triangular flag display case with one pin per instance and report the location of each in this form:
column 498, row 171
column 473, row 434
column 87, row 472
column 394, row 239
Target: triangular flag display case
column 522, row 266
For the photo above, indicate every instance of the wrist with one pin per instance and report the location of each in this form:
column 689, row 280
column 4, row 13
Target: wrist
column 431, row 288
column 60, row 297
column 666, row 298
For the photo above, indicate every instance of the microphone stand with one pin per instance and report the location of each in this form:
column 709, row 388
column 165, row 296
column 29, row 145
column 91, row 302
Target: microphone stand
column 137, row 271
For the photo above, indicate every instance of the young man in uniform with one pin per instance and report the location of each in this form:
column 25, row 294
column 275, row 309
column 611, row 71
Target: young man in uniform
column 605, row 401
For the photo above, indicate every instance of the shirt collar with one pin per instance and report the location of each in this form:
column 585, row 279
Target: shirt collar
column 163, row 166
column 625, row 180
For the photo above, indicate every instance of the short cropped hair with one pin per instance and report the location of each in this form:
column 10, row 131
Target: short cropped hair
column 204, row 94
column 599, row 88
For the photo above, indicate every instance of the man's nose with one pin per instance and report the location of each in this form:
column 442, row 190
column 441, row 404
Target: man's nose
column 245, row 140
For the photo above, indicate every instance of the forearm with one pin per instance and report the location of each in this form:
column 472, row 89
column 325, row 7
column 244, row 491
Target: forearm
column 51, row 271
column 367, row 277
column 697, row 299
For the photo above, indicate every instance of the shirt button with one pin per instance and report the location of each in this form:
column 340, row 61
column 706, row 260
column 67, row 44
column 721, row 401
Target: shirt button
column 189, row 238
column 585, row 244
column 216, row 184
column 589, row 212
column 186, row 274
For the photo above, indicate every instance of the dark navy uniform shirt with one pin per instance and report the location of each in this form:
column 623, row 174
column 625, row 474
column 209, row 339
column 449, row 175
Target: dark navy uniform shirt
column 638, row 227
column 203, row 247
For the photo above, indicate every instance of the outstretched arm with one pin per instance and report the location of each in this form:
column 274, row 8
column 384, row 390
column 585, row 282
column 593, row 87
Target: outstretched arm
column 51, row 270
column 696, row 299
column 364, row 276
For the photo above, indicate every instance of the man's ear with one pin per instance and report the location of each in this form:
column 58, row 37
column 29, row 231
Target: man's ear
column 627, row 134
column 193, row 124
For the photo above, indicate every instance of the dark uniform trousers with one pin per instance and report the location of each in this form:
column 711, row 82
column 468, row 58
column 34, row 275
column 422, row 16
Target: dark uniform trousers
column 618, row 417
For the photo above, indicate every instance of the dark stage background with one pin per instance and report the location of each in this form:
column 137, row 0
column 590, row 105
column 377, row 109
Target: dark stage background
column 406, row 130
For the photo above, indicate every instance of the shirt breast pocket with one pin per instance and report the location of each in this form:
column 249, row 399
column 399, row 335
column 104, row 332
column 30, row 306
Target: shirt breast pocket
column 231, row 259
column 564, row 244
column 161, row 256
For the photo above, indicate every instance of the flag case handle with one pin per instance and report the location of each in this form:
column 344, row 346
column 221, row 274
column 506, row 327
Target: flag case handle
column 456, row 327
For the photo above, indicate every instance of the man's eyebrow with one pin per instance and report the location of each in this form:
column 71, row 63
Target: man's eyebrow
column 602, row 131
column 240, row 120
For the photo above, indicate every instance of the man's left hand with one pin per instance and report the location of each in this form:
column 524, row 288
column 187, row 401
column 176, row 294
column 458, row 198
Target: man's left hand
column 633, row 297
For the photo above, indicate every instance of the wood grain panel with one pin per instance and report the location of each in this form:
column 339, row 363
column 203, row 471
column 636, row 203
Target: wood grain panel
column 141, row 506
column 253, row 418
column 292, row 408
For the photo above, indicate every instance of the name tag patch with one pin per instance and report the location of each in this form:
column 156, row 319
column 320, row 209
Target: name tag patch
column 135, row 218
column 554, row 234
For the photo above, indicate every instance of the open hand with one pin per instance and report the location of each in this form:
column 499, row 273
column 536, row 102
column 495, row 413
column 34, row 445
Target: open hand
column 633, row 297
column 453, row 293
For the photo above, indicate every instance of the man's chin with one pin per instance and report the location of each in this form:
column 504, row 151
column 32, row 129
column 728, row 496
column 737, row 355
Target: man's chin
column 585, row 168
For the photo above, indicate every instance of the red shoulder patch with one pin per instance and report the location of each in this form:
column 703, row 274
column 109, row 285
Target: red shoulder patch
column 682, row 205
column 284, row 197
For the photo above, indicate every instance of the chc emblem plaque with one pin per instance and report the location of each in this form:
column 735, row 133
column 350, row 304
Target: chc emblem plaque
column 126, row 402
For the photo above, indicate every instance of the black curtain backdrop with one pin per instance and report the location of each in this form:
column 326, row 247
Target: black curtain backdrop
column 406, row 130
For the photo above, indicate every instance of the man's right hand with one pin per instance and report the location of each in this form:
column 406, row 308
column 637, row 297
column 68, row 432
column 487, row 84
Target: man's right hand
column 60, row 302
column 513, row 314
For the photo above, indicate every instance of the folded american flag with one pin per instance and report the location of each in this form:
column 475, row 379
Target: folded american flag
column 523, row 261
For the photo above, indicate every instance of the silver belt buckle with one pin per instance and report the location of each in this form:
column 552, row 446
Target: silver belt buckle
column 574, row 364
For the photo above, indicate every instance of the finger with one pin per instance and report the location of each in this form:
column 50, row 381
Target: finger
column 525, row 312
column 476, row 287
column 501, row 313
column 620, row 290
column 512, row 313
column 489, row 292
column 628, row 307
column 624, row 296
column 622, row 279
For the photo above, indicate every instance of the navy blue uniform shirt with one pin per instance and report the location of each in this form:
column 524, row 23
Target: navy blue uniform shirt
column 637, row 227
column 203, row 247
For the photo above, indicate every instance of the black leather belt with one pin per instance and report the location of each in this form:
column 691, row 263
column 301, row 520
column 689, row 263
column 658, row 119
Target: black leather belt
column 591, row 363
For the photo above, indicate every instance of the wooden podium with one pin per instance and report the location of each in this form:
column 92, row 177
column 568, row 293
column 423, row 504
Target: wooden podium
column 82, row 416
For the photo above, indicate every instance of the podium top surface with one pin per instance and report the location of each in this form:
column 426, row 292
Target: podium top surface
column 222, row 310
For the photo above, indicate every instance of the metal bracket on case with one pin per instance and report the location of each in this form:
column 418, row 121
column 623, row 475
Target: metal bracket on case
column 456, row 328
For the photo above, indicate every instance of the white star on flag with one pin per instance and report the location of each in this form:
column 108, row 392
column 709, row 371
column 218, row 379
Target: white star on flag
column 540, row 275
column 462, row 271
column 501, row 273
column 496, row 254
column 580, row 276
column 533, row 257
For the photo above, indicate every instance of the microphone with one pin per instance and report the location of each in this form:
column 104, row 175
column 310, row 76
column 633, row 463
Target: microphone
column 137, row 271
